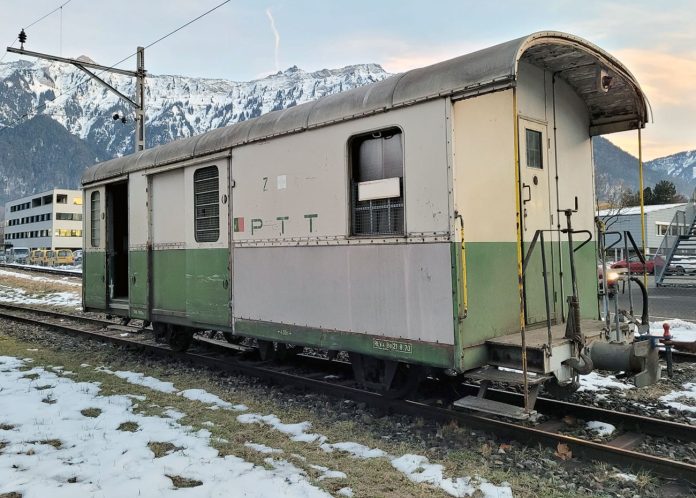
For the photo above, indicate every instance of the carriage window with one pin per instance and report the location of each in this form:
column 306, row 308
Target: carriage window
column 95, row 209
column 206, row 204
column 534, row 149
column 377, row 167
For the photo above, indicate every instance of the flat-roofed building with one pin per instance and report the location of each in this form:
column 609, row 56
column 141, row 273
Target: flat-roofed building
column 49, row 220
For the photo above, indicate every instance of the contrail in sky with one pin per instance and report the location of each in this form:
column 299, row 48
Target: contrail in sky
column 277, row 37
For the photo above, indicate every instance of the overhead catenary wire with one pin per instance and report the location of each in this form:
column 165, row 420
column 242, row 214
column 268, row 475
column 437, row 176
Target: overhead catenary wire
column 86, row 79
column 59, row 8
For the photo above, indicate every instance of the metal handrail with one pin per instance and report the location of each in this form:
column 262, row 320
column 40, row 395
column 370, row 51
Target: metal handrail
column 681, row 221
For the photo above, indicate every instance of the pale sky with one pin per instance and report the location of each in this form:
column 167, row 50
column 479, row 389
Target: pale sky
column 247, row 39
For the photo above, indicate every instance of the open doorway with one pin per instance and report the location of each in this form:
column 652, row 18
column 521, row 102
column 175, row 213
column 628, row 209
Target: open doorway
column 117, row 241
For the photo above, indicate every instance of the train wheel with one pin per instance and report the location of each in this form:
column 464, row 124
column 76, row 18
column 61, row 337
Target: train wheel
column 233, row 339
column 180, row 338
column 393, row 379
column 266, row 350
column 161, row 331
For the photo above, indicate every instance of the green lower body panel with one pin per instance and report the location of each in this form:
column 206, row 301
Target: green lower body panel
column 138, row 285
column 425, row 353
column 94, row 280
column 194, row 284
column 493, row 306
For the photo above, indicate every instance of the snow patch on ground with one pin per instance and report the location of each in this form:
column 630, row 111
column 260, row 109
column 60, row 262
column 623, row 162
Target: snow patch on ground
column 262, row 448
column 36, row 278
column 598, row 382
column 601, row 428
column 345, row 492
column 355, row 449
column 20, row 296
column 681, row 330
column 673, row 399
column 328, row 474
column 53, row 450
column 141, row 380
column 417, row 468
column 210, row 399
column 297, row 432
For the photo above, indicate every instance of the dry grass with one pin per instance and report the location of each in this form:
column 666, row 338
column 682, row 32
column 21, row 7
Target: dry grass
column 38, row 287
column 31, row 376
column 56, row 443
column 6, row 427
column 653, row 392
column 128, row 427
column 13, row 494
column 182, row 482
column 161, row 449
column 43, row 388
column 91, row 412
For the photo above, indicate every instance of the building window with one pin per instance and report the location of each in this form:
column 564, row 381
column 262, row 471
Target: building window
column 206, row 205
column 377, row 170
column 94, row 219
column 534, row 149
column 61, row 198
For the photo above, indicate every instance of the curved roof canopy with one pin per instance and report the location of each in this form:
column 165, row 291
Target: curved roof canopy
column 577, row 61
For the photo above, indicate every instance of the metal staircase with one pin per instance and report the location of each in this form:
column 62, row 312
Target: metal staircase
column 675, row 260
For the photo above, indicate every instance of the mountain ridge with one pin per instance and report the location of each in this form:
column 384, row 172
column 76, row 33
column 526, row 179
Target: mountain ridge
column 183, row 106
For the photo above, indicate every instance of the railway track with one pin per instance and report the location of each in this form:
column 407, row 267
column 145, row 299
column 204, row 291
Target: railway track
column 624, row 450
column 43, row 269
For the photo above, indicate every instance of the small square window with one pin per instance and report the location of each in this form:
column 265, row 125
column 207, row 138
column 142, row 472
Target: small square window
column 534, row 149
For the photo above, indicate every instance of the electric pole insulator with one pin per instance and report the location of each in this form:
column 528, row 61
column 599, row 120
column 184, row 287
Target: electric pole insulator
column 22, row 37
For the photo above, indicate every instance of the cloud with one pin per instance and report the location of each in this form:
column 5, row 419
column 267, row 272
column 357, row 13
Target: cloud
column 667, row 80
column 277, row 38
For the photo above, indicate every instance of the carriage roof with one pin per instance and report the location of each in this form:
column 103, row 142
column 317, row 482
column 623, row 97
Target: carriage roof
column 623, row 107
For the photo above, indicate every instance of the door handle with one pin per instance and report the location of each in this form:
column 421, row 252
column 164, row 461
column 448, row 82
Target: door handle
column 529, row 191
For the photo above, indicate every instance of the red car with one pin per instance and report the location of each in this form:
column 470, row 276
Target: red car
column 636, row 265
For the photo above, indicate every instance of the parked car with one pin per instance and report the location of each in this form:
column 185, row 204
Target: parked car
column 636, row 265
column 36, row 257
column 77, row 257
column 64, row 257
column 18, row 255
column 49, row 258
column 682, row 265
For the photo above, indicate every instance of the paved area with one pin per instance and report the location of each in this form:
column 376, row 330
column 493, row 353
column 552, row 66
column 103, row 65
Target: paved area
column 664, row 302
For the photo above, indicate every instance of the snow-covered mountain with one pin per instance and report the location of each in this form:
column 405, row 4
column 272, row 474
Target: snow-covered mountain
column 177, row 106
column 681, row 165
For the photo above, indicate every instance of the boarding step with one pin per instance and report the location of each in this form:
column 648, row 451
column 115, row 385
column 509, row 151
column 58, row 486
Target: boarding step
column 505, row 376
column 494, row 408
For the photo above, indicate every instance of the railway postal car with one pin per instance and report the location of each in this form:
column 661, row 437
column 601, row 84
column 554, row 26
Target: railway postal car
column 392, row 221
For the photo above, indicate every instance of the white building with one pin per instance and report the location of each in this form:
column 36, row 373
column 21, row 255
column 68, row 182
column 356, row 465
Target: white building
column 657, row 221
column 50, row 220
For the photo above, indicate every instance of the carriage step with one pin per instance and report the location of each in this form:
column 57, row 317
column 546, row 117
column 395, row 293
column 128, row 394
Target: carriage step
column 492, row 374
column 493, row 407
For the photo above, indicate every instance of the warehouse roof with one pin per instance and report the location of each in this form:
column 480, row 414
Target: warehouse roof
column 577, row 61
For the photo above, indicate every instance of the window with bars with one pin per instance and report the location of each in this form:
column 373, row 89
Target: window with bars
column 377, row 168
column 534, row 149
column 206, row 204
column 95, row 208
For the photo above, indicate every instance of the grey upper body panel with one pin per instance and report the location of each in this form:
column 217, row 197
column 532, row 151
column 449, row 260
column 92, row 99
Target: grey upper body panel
column 569, row 57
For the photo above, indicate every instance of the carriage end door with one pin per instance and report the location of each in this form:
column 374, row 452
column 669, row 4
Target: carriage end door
column 536, row 215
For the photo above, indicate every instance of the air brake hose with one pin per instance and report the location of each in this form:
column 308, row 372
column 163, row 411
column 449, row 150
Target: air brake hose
column 581, row 368
column 644, row 317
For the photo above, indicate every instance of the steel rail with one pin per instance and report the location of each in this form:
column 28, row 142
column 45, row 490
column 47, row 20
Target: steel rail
column 234, row 364
column 39, row 269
